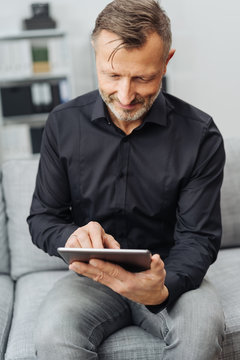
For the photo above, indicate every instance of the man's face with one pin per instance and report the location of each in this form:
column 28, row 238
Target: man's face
column 130, row 81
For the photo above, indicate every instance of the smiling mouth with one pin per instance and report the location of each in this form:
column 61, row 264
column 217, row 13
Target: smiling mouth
column 130, row 106
column 127, row 107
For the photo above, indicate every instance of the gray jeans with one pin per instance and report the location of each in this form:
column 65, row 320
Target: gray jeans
column 79, row 314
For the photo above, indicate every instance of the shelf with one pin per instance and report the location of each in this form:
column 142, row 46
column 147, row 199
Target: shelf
column 33, row 119
column 29, row 34
column 16, row 80
column 20, row 56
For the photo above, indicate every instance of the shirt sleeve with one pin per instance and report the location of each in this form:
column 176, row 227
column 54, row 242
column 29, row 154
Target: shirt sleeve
column 50, row 220
column 198, row 230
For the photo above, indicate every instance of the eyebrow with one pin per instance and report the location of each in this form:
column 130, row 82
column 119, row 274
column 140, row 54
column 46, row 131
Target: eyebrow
column 148, row 76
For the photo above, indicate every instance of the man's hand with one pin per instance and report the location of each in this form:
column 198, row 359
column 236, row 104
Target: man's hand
column 91, row 235
column 146, row 287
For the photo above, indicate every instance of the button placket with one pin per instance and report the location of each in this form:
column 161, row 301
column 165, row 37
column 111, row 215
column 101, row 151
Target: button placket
column 121, row 186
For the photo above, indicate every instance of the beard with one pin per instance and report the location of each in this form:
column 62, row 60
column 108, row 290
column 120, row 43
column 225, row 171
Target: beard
column 129, row 115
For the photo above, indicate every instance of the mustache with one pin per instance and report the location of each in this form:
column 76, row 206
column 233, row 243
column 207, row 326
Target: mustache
column 137, row 100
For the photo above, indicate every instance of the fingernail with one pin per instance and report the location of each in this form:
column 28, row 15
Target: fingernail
column 93, row 262
column 71, row 267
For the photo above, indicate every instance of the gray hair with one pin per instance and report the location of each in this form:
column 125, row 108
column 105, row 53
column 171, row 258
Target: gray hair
column 133, row 21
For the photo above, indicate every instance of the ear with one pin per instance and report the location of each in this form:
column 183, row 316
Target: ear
column 93, row 43
column 170, row 55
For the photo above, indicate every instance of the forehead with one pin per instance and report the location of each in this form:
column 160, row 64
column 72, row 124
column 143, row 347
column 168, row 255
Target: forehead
column 150, row 55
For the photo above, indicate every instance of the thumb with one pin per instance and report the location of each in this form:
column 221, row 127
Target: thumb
column 157, row 263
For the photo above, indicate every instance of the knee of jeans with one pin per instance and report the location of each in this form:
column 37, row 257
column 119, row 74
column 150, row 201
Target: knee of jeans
column 56, row 336
column 200, row 312
column 48, row 333
column 217, row 324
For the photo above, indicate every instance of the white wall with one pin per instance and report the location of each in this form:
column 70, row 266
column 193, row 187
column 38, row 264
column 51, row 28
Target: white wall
column 205, row 70
column 206, row 67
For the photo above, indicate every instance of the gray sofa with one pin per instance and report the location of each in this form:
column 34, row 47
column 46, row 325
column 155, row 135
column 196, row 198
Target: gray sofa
column 27, row 274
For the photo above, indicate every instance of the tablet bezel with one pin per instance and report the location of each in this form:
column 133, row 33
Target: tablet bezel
column 134, row 260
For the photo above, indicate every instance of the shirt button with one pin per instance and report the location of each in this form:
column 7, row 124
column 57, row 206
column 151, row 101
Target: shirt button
column 125, row 139
column 121, row 175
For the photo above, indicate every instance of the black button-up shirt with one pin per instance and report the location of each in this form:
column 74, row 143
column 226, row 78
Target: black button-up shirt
column 157, row 188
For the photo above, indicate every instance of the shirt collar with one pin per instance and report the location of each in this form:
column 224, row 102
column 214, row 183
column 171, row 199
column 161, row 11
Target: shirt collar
column 99, row 109
column 157, row 114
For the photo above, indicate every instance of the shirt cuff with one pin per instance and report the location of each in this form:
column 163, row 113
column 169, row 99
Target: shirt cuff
column 157, row 308
column 68, row 230
column 175, row 287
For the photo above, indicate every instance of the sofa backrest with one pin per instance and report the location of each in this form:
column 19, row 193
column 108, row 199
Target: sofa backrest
column 4, row 250
column 18, row 185
column 230, row 199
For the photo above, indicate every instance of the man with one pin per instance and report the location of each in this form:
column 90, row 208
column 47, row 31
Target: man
column 130, row 167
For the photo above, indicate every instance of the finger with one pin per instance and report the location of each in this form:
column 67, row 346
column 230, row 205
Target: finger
column 86, row 270
column 110, row 242
column 82, row 268
column 83, row 239
column 157, row 265
column 73, row 242
column 96, row 234
column 113, row 270
column 95, row 274
column 156, row 260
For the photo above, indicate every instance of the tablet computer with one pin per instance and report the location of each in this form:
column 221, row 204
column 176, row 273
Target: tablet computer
column 131, row 259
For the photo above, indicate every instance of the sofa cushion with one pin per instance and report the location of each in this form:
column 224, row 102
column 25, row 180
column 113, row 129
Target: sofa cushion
column 4, row 251
column 30, row 291
column 230, row 201
column 6, row 307
column 18, row 185
column 132, row 342
column 224, row 275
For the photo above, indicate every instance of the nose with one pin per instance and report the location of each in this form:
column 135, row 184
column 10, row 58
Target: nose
column 126, row 92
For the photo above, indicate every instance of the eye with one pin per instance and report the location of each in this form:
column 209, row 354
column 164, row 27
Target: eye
column 140, row 78
column 114, row 76
column 144, row 79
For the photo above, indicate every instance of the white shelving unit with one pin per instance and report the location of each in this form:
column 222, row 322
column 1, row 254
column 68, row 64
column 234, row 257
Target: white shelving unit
column 22, row 41
column 35, row 76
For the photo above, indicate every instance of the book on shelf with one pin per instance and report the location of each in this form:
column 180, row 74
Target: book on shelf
column 57, row 55
column 40, row 59
column 16, row 60
column 22, row 58
column 35, row 98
